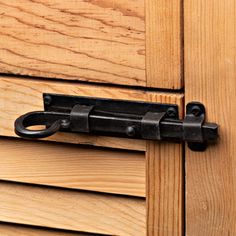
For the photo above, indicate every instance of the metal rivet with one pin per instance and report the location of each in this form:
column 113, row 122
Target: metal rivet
column 196, row 111
column 65, row 124
column 47, row 100
column 130, row 131
column 171, row 112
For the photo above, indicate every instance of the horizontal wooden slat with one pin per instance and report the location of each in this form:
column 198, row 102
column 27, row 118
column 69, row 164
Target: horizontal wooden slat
column 19, row 230
column 72, row 210
column 102, row 41
column 21, row 95
column 73, row 166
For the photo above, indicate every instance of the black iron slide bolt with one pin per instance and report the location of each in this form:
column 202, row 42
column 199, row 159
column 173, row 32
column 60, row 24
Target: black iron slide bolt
column 120, row 118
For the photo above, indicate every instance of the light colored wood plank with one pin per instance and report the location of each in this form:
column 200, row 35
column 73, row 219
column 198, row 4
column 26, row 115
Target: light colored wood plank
column 164, row 43
column 18, row 230
column 165, row 183
column 27, row 94
column 72, row 166
column 99, row 41
column 210, row 69
column 72, row 210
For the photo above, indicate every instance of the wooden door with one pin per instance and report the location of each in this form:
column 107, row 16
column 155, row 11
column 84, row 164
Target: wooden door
column 210, row 77
column 55, row 46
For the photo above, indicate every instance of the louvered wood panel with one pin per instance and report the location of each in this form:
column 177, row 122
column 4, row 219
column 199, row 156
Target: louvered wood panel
column 73, row 166
column 72, row 210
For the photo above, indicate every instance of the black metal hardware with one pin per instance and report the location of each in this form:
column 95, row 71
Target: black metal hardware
column 120, row 118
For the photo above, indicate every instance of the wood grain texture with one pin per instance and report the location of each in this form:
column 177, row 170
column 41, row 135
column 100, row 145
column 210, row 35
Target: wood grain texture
column 19, row 230
column 210, row 69
column 164, row 49
column 71, row 166
column 27, row 94
column 72, row 210
column 165, row 183
column 99, row 41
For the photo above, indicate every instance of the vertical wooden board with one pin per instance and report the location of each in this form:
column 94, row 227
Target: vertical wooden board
column 210, row 77
column 164, row 43
column 164, row 184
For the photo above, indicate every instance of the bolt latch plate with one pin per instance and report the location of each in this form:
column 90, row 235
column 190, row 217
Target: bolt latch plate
column 110, row 117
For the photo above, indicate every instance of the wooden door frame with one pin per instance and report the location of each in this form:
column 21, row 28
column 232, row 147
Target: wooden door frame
column 210, row 77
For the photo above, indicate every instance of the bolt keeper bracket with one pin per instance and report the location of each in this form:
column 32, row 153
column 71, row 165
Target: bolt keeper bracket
column 120, row 118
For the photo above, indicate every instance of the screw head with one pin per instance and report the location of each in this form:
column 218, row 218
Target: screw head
column 171, row 112
column 130, row 131
column 47, row 100
column 65, row 124
column 196, row 110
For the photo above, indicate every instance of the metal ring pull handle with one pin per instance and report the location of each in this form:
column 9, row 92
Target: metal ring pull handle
column 37, row 118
